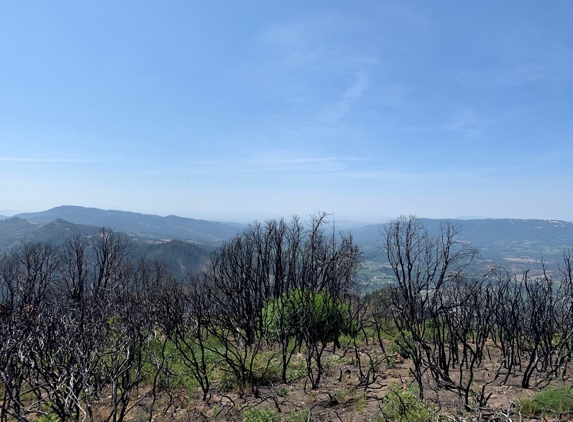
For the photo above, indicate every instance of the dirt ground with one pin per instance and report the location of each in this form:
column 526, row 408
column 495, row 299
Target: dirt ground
column 339, row 398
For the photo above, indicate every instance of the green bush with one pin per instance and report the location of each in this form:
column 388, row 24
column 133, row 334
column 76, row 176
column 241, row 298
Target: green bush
column 402, row 344
column 49, row 416
column 296, row 369
column 404, row 406
column 301, row 415
column 552, row 400
column 255, row 414
column 301, row 310
column 264, row 370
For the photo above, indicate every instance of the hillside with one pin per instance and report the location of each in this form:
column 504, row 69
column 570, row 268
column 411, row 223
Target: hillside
column 182, row 257
column 513, row 243
column 16, row 230
column 170, row 227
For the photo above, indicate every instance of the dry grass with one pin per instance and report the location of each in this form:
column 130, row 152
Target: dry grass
column 338, row 398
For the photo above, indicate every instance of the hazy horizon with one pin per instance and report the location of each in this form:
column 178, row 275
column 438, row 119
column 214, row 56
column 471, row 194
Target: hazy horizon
column 229, row 110
column 245, row 218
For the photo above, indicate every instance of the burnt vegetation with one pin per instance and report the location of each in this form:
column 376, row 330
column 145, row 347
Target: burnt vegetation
column 88, row 333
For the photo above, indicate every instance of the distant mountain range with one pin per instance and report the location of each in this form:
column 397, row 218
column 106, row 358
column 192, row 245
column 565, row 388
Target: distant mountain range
column 186, row 243
column 170, row 227
column 182, row 257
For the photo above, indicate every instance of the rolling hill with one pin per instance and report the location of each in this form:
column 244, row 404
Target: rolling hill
column 182, row 257
column 170, row 227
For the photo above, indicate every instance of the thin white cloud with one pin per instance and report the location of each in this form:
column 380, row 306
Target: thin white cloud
column 290, row 42
column 328, row 168
column 361, row 60
column 402, row 176
column 51, row 160
column 287, row 164
column 255, row 165
column 471, row 124
column 301, row 62
column 357, row 88
column 466, row 121
column 394, row 94
column 349, row 98
column 495, row 78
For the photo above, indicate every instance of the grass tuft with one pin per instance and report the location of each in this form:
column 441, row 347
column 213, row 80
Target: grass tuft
column 549, row 401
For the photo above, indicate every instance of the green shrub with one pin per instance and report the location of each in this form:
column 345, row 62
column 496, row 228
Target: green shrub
column 550, row 400
column 346, row 340
column 255, row 414
column 264, row 370
column 296, row 369
column 361, row 403
column 342, row 395
column 300, row 310
column 403, row 345
column 49, row 416
column 403, row 406
column 301, row 415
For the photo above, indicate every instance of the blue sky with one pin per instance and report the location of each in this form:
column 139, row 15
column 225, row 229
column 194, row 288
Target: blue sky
column 238, row 110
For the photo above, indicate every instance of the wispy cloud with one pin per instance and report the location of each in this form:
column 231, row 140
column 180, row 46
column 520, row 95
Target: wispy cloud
column 331, row 168
column 466, row 121
column 472, row 124
column 51, row 160
column 303, row 61
column 394, row 94
column 402, row 176
column 271, row 164
column 268, row 164
column 349, row 98
column 511, row 77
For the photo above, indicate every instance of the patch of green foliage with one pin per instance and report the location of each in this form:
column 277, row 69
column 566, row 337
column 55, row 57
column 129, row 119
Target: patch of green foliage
column 255, row 414
column 176, row 374
column 346, row 340
column 300, row 415
column 549, row 401
column 265, row 370
column 404, row 406
column 403, row 344
column 300, row 310
column 361, row 403
column 296, row 369
column 343, row 394
column 49, row 416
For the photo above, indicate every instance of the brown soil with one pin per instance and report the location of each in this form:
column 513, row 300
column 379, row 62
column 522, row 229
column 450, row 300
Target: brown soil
column 339, row 398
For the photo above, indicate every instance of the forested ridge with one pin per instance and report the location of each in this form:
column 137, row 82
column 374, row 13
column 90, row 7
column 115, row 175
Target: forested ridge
column 88, row 331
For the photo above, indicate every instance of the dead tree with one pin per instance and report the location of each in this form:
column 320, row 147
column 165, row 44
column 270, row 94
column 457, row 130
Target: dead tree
column 421, row 263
